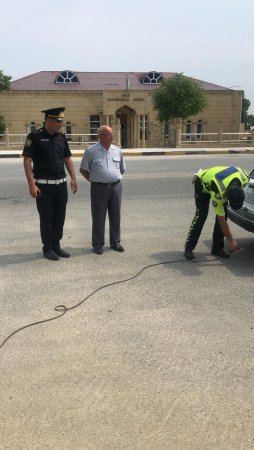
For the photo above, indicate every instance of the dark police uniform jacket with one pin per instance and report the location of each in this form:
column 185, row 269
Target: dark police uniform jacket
column 47, row 153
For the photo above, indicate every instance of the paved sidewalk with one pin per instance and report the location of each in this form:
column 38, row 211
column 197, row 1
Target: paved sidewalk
column 150, row 151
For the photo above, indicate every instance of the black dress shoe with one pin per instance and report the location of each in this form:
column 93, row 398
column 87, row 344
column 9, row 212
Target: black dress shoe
column 188, row 254
column 50, row 254
column 118, row 248
column 60, row 252
column 220, row 252
column 98, row 250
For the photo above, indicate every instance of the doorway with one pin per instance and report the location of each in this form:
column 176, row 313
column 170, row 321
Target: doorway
column 125, row 115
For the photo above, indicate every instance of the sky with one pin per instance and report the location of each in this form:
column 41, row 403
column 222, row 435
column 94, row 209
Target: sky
column 209, row 40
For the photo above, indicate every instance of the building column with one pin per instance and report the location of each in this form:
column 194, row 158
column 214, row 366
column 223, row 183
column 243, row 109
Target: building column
column 7, row 138
column 118, row 133
column 112, row 122
column 178, row 139
column 107, row 120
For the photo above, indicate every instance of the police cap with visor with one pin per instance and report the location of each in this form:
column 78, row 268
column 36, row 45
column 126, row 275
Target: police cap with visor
column 55, row 113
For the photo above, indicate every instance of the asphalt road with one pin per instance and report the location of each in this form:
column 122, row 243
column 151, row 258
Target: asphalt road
column 162, row 361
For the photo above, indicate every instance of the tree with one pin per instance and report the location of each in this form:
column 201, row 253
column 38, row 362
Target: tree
column 250, row 121
column 245, row 107
column 178, row 97
column 247, row 119
column 5, row 82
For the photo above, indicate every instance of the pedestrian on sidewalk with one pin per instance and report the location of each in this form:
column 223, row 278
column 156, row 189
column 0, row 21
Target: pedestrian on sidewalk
column 46, row 155
column 221, row 185
column 103, row 166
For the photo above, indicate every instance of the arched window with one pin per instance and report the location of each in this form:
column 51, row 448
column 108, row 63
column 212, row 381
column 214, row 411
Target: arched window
column 152, row 78
column 67, row 77
column 32, row 127
column 188, row 130
column 68, row 131
column 199, row 129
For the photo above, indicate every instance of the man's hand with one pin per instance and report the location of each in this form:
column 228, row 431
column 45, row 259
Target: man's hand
column 74, row 186
column 34, row 191
column 233, row 246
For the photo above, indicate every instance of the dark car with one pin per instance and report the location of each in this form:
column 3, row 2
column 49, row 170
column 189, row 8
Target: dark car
column 244, row 217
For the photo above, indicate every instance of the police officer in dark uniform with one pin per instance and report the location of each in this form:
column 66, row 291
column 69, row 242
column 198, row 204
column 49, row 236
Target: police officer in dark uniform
column 46, row 155
column 222, row 185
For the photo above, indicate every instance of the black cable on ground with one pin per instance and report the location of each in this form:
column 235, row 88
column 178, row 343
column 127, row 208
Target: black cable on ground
column 63, row 309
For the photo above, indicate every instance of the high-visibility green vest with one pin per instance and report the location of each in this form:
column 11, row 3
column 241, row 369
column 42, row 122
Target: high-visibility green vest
column 215, row 182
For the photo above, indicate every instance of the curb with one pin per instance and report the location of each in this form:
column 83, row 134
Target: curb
column 79, row 154
column 12, row 155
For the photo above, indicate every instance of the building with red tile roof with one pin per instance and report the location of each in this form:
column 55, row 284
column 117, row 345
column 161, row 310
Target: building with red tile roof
column 119, row 99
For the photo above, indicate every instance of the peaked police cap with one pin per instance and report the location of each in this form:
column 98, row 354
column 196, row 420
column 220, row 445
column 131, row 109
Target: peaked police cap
column 55, row 113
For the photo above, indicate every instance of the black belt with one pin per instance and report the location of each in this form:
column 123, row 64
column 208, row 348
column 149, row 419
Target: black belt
column 107, row 184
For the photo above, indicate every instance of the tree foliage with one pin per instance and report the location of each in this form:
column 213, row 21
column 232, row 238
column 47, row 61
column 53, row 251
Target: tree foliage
column 250, row 121
column 5, row 82
column 178, row 97
column 245, row 107
column 247, row 119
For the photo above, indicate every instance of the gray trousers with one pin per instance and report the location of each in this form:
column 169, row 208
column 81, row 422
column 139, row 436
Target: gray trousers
column 103, row 199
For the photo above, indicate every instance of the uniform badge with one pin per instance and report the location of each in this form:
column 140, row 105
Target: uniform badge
column 214, row 203
column 28, row 142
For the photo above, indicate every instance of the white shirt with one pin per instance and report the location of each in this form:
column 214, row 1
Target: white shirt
column 104, row 166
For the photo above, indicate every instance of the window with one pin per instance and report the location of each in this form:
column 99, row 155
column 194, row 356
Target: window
column 95, row 123
column 199, row 129
column 188, row 130
column 152, row 78
column 66, row 77
column 141, row 128
column 68, row 131
column 32, row 127
column 166, row 131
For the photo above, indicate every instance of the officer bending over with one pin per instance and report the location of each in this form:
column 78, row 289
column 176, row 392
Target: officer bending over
column 46, row 154
column 221, row 185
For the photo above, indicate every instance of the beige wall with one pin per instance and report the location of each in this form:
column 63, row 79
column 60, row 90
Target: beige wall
column 20, row 108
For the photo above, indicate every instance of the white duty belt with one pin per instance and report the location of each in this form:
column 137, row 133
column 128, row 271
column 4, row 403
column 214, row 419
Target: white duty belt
column 59, row 181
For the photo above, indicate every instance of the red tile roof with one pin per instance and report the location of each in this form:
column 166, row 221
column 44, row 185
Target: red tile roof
column 94, row 81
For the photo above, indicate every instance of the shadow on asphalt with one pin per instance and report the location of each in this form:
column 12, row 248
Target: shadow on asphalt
column 21, row 258
column 176, row 261
column 241, row 264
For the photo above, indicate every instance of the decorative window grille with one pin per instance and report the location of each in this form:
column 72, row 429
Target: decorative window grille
column 152, row 78
column 67, row 77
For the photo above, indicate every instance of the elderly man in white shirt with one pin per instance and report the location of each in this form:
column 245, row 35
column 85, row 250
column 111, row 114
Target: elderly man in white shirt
column 103, row 165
